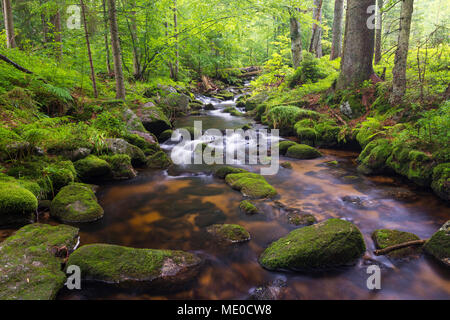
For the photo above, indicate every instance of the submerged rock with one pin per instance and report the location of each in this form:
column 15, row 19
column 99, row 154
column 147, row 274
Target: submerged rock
column 271, row 291
column 30, row 261
column 286, row 165
column 384, row 238
column 229, row 232
column 76, row 203
column 248, row 207
column 251, row 185
column 92, row 168
column 130, row 266
column 301, row 219
column 331, row 243
column 360, row 202
column 439, row 244
column 302, row 151
column 17, row 204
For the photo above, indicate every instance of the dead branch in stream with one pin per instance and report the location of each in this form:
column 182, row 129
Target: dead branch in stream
column 384, row 251
column 15, row 65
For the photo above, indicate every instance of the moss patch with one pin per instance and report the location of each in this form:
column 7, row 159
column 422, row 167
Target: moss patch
column 441, row 181
column 229, row 232
column 76, row 203
column 283, row 146
column 224, row 171
column 121, row 166
column 248, row 207
column 384, row 238
column 92, row 168
column 17, row 204
column 439, row 244
column 159, row 160
column 328, row 244
column 28, row 267
column 251, row 184
column 123, row 265
column 302, row 151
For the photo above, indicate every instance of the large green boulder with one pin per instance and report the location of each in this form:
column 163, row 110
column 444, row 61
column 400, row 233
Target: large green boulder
column 226, row 170
column 120, row 146
column 439, row 244
column 92, row 169
column 76, row 203
column 251, row 185
column 159, row 160
column 31, row 260
column 302, row 151
column 384, row 238
column 374, row 157
column 154, row 119
column 17, row 204
column 121, row 166
column 130, row 266
column 331, row 243
column 283, row 146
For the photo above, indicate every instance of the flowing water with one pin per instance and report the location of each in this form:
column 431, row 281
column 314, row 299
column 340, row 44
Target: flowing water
column 171, row 209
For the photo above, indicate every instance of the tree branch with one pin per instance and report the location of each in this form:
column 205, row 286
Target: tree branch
column 15, row 65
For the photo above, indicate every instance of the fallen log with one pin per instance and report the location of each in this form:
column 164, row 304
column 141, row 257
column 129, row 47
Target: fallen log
column 384, row 251
column 15, row 65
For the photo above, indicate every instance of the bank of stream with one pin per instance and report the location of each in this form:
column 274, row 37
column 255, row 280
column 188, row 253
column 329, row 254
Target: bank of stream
column 170, row 209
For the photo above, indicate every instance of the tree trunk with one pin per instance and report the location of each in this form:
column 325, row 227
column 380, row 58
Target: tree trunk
column 9, row 24
column 117, row 55
column 108, row 55
column 401, row 55
column 177, row 46
column 296, row 42
column 88, row 45
column 57, row 36
column 356, row 64
column 135, row 45
column 378, row 33
column 316, row 38
column 336, row 46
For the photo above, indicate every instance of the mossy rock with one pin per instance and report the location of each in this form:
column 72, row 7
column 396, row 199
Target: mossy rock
column 439, row 244
column 209, row 107
column 374, row 157
column 384, row 238
column 254, row 101
column 327, row 134
column 248, row 207
column 301, row 219
column 251, row 185
column 329, row 244
column 159, row 160
column 283, row 146
column 60, row 174
column 76, row 203
column 29, row 267
column 283, row 118
column 129, row 266
column 17, row 204
column 121, row 166
column 232, row 111
column 120, row 146
column 232, row 233
column 147, row 142
column 399, row 160
column 441, row 181
column 420, row 168
column 226, row 170
column 92, row 168
column 286, row 165
column 154, row 119
column 302, row 151
column 307, row 136
column 166, row 135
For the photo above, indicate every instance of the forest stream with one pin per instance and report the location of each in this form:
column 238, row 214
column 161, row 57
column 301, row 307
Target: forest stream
column 171, row 209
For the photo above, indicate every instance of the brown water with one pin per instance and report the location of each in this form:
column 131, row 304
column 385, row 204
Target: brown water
column 164, row 210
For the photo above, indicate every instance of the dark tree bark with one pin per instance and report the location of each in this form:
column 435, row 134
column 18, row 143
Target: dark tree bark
column 57, row 34
column 105, row 22
column 356, row 64
column 296, row 42
column 88, row 45
column 336, row 45
column 9, row 24
column 401, row 55
column 378, row 33
column 117, row 54
column 316, row 38
column 177, row 45
column 15, row 65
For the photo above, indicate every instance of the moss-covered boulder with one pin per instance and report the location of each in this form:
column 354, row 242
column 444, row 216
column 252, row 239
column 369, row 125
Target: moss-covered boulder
column 441, row 181
column 301, row 219
column 302, row 151
column 421, row 168
column 248, row 207
column 327, row 134
column 129, row 266
column 384, row 238
column 398, row 161
column 120, row 146
column 92, row 169
column 439, row 244
column 145, row 141
column 165, row 135
column 159, row 160
column 76, row 203
column 17, row 204
column 31, row 259
column 176, row 103
column 328, row 244
column 226, row 170
column 307, row 136
column 374, row 157
column 60, row 174
column 232, row 233
column 251, row 185
column 154, row 119
column 283, row 146
column 121, row 166
column 251, row 103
